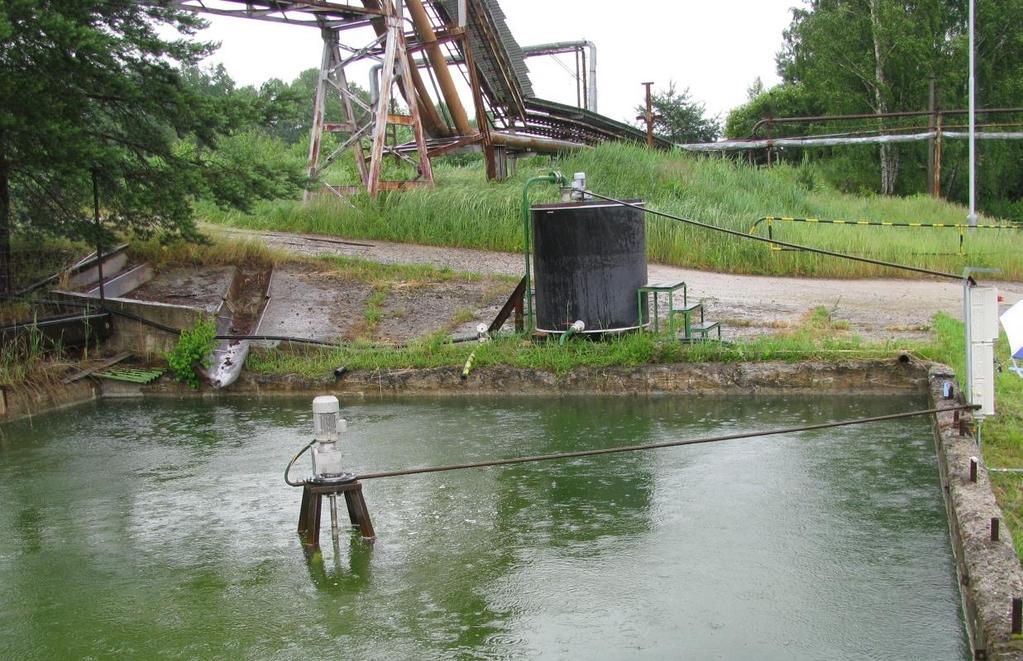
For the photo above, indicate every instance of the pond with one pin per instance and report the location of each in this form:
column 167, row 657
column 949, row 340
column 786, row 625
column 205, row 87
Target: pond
column 160, row 528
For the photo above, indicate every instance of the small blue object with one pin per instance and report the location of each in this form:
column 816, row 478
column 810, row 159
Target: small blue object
column 947, row 391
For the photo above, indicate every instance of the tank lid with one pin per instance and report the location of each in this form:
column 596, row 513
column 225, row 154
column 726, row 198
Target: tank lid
column 589, row 204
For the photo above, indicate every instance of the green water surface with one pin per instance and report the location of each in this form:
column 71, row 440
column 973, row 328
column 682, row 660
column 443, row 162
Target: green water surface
column 162, row 529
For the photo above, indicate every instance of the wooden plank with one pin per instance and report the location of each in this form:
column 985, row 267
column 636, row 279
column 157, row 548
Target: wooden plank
column 389, row 185
column 131, row 375
column 513, row 304
column 78, row 376
column 404, row 120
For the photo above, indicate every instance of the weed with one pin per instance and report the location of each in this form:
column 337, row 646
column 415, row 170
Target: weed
column 29, row 359
column 374, row 309
column 462, row 316
column 192, row 350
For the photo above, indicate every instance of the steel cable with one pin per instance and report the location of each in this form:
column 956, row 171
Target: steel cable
column 794, row 246
column 665, row 444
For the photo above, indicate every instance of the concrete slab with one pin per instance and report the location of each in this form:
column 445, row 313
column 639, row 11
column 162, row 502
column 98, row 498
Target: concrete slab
column 202, row 288
column 312, row 305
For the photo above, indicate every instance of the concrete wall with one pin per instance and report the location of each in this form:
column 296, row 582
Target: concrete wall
column 864, row 377
column 989, row 571
column 135, row 336
column 25, row 402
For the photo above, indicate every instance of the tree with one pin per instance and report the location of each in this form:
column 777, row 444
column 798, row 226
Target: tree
column 95, row 90
column 680, row 119
column 785, row 100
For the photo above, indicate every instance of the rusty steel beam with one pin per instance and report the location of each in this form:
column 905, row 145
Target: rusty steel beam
column 434, row 124
column 428, row 39
column 482, row 122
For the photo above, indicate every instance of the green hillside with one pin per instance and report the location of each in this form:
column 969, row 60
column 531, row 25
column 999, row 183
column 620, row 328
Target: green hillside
column 464, row 210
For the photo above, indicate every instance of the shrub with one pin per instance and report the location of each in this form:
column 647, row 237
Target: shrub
column 194, row 346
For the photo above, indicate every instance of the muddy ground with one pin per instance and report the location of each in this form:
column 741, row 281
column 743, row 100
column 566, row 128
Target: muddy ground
column 312, row 304
column 746, row 305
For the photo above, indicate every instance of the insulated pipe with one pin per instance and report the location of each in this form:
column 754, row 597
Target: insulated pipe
column 440, row 67
column 533, row 143
column 568, row 46
column 433, row 122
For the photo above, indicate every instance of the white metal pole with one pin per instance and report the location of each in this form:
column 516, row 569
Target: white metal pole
column 971, row 219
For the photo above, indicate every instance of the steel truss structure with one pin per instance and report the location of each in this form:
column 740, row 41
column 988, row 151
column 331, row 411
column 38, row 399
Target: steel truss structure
column 416, row 43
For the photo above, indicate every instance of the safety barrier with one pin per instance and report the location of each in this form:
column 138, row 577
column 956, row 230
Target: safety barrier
column 962, row 227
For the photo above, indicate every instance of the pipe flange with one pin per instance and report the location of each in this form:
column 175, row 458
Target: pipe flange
column 332, row 478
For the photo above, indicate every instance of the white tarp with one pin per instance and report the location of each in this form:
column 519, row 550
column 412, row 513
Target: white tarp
column 1012, row 322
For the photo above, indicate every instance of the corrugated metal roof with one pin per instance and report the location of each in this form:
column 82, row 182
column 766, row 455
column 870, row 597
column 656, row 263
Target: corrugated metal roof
column 494, row 58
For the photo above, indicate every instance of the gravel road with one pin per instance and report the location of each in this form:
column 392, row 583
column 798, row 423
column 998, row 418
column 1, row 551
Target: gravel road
column 747, row 305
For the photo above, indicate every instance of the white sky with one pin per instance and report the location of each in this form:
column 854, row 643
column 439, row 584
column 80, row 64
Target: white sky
column 714, row 47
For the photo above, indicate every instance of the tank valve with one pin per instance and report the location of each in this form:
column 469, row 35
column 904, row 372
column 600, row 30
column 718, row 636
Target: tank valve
column 576, row 327
column 579, row 187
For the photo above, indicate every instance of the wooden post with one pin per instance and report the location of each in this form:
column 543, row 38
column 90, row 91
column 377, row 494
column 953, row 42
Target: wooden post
column 649, row 116
column 937, row 156
column 312, row 502
column 316, row 132
column 376, row 158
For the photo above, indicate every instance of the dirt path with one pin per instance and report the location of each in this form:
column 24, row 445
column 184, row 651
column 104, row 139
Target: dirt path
column 747, row 305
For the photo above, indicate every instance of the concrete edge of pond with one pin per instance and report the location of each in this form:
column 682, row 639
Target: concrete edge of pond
column 16, row 403
column 990, row 576
column 808, row 377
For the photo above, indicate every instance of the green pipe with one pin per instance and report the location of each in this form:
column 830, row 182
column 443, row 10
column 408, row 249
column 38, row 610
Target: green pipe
column 577, row 327
column 554, row 177
column 468, row 365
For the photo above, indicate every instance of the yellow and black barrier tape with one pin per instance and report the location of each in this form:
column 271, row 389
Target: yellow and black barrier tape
column 962, row 227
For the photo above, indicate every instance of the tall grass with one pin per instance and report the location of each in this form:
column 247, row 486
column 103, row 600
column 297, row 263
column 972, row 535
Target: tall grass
column 464, row 210
column 215, row 253
column 31, row 360
column 1002, row 434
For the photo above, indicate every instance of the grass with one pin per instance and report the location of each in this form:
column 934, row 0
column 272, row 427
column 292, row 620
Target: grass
column 373, row 310
column 463, row 210
column 1002, row 434
column 806, row 341
column 31, row 361
column 214, row 253
column 34, row 258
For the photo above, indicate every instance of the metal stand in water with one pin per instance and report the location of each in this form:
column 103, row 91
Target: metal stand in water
column 329, row 479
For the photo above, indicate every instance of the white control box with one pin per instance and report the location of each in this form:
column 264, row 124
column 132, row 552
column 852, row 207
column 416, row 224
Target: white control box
column 982, row 378
column 984, row 314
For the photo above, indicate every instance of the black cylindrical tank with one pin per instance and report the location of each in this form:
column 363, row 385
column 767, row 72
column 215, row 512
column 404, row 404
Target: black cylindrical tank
column 590, row 258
